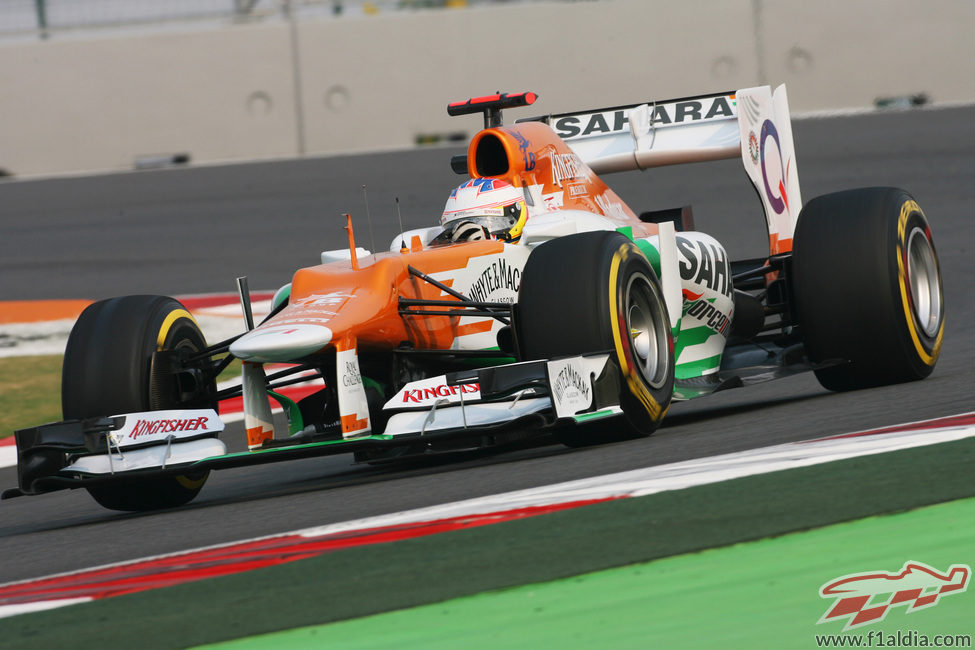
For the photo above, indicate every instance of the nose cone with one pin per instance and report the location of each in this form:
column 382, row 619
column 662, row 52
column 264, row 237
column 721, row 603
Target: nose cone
column 281, row 343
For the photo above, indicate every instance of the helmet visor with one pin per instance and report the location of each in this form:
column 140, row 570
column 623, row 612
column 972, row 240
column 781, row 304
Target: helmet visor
column 494, row 223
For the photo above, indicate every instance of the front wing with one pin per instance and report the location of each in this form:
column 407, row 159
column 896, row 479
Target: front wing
column 465, row 410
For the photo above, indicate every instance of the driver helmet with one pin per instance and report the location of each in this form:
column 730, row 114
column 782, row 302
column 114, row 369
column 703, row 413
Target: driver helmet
column 485, row 207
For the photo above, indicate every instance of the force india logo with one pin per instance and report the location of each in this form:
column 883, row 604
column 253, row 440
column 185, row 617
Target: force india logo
column 864, row 598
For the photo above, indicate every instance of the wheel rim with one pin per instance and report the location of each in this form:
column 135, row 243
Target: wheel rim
column 185, row 339
column 647, row 331
column 924, row 281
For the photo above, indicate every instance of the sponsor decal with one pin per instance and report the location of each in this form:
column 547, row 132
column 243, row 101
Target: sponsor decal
column 865, row 598
column 351, row 376
column 753, row 146
column 433, row 391
column 353, row 406
column 578, row 190
column 299, row 320
column 778, row 202
column 705, row 264
column 571, row 386
column 160, row 426
column 610, row 208
column 431, row 394
column 594, row 123
column 706, row 312
column 501, row 276
column 316, row 308
column 574, row 126
column 567, row 167
column 554, row 201
column 272, row 330
column 570, row 382
column 616, row 121
column 486, row 278
column 143, row 428
column 527, row 156
column 322, row 300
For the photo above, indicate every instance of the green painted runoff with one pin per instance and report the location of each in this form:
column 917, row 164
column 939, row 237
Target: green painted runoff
column 762, row 594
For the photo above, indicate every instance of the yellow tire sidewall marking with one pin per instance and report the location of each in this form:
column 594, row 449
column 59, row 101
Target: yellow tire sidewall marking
column 636, row 387
column 907, row 209
column 167, row 324
column 613, row 273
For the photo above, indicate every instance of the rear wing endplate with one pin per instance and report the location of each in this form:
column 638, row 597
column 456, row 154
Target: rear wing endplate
column 752, row 123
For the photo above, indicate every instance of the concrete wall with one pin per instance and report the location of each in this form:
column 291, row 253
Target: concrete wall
column 377, row 82
column 69, row 105
column 846, row 53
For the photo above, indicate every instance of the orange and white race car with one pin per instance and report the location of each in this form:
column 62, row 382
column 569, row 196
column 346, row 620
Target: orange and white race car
column 540, row 304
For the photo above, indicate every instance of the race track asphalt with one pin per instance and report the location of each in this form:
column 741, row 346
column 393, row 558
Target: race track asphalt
column 194, row 230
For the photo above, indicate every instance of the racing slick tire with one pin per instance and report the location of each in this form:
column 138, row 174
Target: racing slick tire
column 596, row 292
column 106, row 370
column 868, row 288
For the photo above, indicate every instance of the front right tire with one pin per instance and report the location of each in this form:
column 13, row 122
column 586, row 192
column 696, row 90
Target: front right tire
column 107, row 371
column 596, row 292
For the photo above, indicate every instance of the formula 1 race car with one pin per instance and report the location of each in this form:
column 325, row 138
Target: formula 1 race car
column 541, row 305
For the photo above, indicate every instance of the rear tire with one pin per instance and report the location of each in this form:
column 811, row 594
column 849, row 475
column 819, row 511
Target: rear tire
column 868, row 288
column 106, row 371
column 596, row 292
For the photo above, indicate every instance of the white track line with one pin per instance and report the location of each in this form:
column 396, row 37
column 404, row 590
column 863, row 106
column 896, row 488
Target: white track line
column 8, row 453
column 673, row 476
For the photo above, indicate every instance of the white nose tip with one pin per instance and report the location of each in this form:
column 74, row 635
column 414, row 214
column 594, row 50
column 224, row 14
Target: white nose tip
column 281, row 343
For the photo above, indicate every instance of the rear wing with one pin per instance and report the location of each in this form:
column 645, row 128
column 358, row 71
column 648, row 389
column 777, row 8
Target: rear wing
column 752, row 123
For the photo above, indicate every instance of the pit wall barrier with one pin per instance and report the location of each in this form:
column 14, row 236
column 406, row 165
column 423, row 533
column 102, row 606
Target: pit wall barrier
column 349, row 84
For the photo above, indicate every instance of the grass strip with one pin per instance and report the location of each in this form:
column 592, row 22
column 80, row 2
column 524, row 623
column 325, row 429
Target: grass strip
column 762, row 594
column 30, row 392
column 363, row 581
